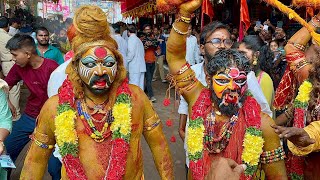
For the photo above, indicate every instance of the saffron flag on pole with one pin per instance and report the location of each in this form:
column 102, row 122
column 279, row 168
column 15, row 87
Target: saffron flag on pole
column 206, row 9
column 244, row 19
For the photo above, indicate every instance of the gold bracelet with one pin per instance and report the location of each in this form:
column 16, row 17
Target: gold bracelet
column 298, row 46
column 178, row 31
column 182, row 20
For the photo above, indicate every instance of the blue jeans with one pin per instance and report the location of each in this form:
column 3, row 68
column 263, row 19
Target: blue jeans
column 149, row 75
column 19, row 137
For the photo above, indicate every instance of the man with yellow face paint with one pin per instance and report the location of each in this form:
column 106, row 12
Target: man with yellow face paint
column 97, row 119
column 225, row 120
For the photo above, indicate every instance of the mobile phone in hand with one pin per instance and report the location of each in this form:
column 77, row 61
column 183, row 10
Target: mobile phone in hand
column 280, row 24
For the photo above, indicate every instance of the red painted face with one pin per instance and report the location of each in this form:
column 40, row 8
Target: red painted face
column 230, row 85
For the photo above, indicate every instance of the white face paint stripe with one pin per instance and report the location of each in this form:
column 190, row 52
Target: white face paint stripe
column 84, row 71
column 114, row 69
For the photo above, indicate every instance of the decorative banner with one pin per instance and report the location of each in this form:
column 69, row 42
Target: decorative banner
column 309, row 3
column 244, row 19
column 46, row 8
column 148, row 8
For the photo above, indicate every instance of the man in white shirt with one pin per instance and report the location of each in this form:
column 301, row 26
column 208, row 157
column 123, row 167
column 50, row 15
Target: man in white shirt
column 122, row 43
column 135, row 58
column 15, row 25
column 125, row 35
column 192, row 54
column 7, row 63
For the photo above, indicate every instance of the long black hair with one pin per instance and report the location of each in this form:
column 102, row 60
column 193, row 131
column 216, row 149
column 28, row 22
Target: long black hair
column 265, row 59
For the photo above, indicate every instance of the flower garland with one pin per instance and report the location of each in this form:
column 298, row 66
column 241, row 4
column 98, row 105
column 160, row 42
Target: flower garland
column 296, row 163
column 252, row 143
column 67, row 138
column 301, row 104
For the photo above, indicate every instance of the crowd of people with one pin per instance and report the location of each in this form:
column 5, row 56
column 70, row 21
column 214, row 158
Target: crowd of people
column 249, row 107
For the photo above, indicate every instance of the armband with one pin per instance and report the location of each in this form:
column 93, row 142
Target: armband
column 272, row 156
column 152, row 123
column 41, row 140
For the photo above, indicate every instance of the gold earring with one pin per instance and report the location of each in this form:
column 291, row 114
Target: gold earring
column 255, row 61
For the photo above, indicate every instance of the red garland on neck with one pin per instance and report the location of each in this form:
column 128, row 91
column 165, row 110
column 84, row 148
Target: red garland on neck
column 251, row 110
column 66, row 94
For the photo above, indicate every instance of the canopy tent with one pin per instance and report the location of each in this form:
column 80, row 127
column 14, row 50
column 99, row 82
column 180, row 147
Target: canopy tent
column 137, row 8
column 128, row 5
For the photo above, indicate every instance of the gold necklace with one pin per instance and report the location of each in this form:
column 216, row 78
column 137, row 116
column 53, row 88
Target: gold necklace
column 97, row 108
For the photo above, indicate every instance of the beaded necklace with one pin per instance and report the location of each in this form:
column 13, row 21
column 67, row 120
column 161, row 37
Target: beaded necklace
column 217, row 144
column 91, row 129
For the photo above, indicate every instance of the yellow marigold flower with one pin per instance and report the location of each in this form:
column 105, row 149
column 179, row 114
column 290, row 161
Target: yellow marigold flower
column 122, row 118
column 304, row 92
column 195, row 139
column 252, row 149
column 65, row 127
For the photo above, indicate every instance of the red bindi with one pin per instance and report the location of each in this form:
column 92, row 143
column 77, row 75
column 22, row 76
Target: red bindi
column 234, row 72
column 100, row 52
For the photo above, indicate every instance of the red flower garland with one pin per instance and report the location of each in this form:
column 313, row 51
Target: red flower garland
column 252, row 115
column 252, row 112
column 117, row 162
column 120, row 148
column 74, row 168
column 66, row 94
column 197, row 169
column 299, row 114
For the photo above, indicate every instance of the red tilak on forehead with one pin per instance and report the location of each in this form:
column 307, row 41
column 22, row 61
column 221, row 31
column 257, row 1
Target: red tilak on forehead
column 100, row 52
column 234, row 72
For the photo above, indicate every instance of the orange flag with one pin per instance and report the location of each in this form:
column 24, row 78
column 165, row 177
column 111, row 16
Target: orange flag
column 206, row 9
column 244, row 19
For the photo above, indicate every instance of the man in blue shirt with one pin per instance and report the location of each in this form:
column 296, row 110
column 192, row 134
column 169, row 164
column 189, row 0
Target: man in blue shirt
column 46, row 50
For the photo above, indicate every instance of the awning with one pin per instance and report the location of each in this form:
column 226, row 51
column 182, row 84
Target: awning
column 144, row 7
column 128, row 5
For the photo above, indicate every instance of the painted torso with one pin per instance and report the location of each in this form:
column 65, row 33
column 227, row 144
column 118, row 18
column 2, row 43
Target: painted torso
column 95, row 158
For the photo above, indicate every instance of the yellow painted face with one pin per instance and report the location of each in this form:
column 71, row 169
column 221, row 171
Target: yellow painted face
column 229, row 85
column 98, row 68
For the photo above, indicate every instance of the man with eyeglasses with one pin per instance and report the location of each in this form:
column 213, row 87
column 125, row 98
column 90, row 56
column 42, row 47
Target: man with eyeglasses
column 214, row 37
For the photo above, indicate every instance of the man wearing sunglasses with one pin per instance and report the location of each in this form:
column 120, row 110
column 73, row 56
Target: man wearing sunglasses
column 214, row 37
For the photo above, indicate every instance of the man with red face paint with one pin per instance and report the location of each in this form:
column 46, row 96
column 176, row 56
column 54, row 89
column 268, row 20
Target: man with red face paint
column 215, row 37
column 225, row 121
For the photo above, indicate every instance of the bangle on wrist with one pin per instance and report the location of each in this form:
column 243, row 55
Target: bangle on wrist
column 178, row 31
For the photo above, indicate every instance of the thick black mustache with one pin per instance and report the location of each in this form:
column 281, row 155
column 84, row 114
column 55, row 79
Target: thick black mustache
column 96, row 78
column 230, row 91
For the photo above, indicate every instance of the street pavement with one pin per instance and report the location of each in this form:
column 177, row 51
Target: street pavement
column 150, row 171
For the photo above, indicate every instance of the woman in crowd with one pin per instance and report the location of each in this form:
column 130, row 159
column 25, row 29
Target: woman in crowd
column 260, row 58
column 278, row 63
